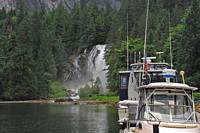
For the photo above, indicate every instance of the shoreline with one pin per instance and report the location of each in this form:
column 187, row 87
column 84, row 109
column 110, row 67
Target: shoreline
column 52, row 101
column 80, row 102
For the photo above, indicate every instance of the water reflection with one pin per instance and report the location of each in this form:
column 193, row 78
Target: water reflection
column 55, row 118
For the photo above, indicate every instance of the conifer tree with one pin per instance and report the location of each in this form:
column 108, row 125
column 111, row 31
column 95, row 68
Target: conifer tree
column 191, row 44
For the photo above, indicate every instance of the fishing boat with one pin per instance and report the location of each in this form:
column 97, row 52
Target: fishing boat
column 165, row 107
column 163, row 104
column 130, row 80
column 140, row 74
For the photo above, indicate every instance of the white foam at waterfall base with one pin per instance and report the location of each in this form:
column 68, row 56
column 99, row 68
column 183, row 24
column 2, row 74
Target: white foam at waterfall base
column 86, row 72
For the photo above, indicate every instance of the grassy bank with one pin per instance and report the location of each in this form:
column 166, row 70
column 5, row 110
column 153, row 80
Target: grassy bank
column 103, row 98
column 115, row 99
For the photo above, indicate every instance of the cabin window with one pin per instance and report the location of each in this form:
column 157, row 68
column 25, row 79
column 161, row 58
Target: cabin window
column 124, row 82
column 170, row 106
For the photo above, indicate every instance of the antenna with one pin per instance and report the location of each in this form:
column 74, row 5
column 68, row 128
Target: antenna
column 135, row 57
column 170, row 41
column 127, row 41
column 139, row 57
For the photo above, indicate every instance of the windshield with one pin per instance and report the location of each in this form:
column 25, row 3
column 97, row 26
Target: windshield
column 170, row 107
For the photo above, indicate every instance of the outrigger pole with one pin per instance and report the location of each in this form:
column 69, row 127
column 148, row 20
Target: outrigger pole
column 170, row 42
column 127, row 45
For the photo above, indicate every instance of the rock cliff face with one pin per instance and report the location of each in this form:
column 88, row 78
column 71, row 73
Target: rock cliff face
column 51, row 4
column 89, row 67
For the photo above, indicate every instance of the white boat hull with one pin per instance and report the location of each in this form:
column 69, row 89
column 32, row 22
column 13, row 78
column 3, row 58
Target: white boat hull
column 147, row 127
column 123, row 111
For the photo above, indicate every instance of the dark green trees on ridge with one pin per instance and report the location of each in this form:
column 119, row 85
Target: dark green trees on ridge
column 184, row 29
column 36, row 45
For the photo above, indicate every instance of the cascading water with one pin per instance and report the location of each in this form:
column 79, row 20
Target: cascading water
column 97, row 65
column 87, row 68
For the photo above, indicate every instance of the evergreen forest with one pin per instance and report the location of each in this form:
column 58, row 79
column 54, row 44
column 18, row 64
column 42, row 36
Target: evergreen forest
column 35, row 45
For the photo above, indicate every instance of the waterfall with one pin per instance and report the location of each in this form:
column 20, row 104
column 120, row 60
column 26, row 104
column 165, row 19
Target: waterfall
column 87, row 68
column 97, row 65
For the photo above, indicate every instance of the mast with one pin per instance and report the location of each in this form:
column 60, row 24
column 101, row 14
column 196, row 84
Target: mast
column 145, row 38
column 127, row 43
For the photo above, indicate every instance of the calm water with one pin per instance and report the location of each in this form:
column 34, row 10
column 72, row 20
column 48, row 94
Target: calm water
column 57, row 118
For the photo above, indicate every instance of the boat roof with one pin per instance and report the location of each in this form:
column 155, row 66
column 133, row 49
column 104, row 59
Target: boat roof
column 149, row 71
column 156, row 63
column 124, row 71
column 168, row 85
column 129, row 102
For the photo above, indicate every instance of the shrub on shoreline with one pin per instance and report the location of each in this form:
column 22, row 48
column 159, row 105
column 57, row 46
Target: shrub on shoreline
column 57, row 90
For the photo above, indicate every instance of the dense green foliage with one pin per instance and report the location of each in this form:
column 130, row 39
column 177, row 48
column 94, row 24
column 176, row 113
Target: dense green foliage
column 185, row 36
column 189, row 47
column 57, row 90
column 88, row 91
column 197, row 97
column 103, row 98
column 35, row 46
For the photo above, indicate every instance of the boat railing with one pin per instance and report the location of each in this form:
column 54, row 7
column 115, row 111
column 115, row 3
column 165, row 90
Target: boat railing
column 171, row 112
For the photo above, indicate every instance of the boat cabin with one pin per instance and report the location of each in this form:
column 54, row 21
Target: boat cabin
column 130, row 80
column 155, row 73
column 123, row 84
column 169, row 102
